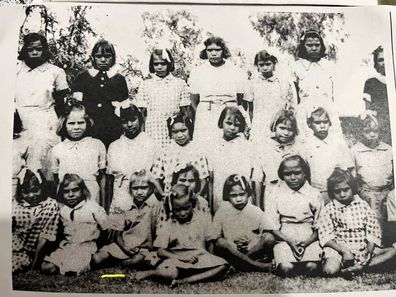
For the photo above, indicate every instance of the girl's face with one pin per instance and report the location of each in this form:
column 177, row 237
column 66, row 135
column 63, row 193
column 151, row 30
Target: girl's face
column 215, row 54
column 180, row 134
column 76, row 125
column 35, row 50
column 320, row 125
column 381, row 63
column 284, row 132
column 72, row 194
column 371, row 134
column 343, row 193
column 231, row 127
column 32, row 193
column 238, row 197
column 293, row 174
column 103, row 59
column 131, row 127
column 160, row 66
column 140, row 190
column 313, row 47
column 182, row 209
column 266, row 68
column 188, row 180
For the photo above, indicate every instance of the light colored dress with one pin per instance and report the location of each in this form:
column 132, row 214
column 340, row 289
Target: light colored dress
column 162, row 97
column 84, row 157
column 226, row 158
column 232, row 224
column 124, row 157
column 188, row 239
column 269, row 96
column 29, row 223
column 35, row 104
column 217, row 88
column 82, row 225
column 174, row 158
column 295, row 214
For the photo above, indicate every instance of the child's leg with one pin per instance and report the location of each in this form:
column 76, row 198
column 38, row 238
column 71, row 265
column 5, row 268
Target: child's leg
column 212, row 274
column 331, row 266
column 164, row 271
column 285, row 269
column 99, row 257
column 237, row 259
column 264, row 246
column 382, row 256
column 134, row 261
column 310, row 268
column 48, row 268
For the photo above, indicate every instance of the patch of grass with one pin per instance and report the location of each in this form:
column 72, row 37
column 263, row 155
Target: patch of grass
column 239, row 283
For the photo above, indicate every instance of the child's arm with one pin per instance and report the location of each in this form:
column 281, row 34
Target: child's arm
column 210, row 194
column 194, row 101
column 158, row 187
column 121, row 243
column 102, row 185
column 168, row 254
column 342, row 250
column 109, row 190
column 40, row 245
column 311, row 239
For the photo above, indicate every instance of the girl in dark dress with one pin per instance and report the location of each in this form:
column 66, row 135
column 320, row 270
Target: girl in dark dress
column 100, row 89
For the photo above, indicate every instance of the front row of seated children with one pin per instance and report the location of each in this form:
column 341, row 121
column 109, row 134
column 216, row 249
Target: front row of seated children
column 296, row 229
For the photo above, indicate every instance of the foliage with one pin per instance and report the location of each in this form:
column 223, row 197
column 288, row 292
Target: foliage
column 68, row 45
column 175, row 30
column 283, row 29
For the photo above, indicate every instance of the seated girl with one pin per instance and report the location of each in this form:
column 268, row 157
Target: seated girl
column 293, row 209
column 349, row 231
column 35, row 219
column 82, row 220
column 239, row 228
column 133, row 242
column 182, row 244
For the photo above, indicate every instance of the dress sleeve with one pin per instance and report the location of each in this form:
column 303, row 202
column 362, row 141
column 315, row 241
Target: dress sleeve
column 163, row 237
column 373, row 230
column 271, row 207
column 101, row 155
column 325, row 226
column 194, row 81
column 54, row 159
column 157, row 171
column 60, row 83
column 258, row 170
column 142, row 98
column 110, row 153
column 122, row 87
column 184, row 94
column 316, row 207
column 201, row 164
column 101, row 217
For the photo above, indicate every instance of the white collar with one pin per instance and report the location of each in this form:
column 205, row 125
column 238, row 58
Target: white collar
column 110, row 73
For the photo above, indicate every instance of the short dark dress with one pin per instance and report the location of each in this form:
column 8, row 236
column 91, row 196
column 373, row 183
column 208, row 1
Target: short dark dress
column 379, row 103
column 98, row 93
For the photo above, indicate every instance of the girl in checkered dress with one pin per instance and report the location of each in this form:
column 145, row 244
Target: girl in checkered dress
column 161, row 95
column 349, row 231
column 35, row 219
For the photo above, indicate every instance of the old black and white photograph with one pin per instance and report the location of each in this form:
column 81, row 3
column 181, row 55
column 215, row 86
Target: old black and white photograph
column 202, row 149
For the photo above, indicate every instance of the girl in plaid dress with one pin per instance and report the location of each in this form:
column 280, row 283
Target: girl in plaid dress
column 349, row 231
column 35, row 219
column 161, row 95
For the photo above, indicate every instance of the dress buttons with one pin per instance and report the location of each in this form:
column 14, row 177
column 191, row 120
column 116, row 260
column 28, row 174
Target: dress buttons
column 102, row 85
column 102, row 78
column 99, row 104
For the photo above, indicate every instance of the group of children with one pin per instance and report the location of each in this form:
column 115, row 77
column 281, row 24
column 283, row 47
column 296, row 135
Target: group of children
column 185, row 211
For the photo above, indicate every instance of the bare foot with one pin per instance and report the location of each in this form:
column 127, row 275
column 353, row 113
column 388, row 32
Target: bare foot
column 141, row 275
column 353, row 269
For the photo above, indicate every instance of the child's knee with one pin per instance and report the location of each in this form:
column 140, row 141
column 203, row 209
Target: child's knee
column 168, row 271
column 331, row 267
column 311, row 266
column 268, row 239
column 48, row 267
column 285, row 268
column 99, row 257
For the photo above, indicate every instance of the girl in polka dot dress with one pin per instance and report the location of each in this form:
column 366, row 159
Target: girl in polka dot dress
column 35, row 219
column 161, row 95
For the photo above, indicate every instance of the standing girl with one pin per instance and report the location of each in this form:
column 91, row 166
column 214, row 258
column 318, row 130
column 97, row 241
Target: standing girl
column 267, row 95
column 178, row 154
column 82, row 220
column 35, row 219
column 239, row 228
column 293, row 210
column 100, row 89
column 161, row 96
column 270, row 153
column 215, row 84
column 40, row 91
column 79, row 153
column 230, row 154
column 132, row 152
column 182, row 244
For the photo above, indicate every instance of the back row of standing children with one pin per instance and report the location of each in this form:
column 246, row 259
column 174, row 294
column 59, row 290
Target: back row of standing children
column 220, row 150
